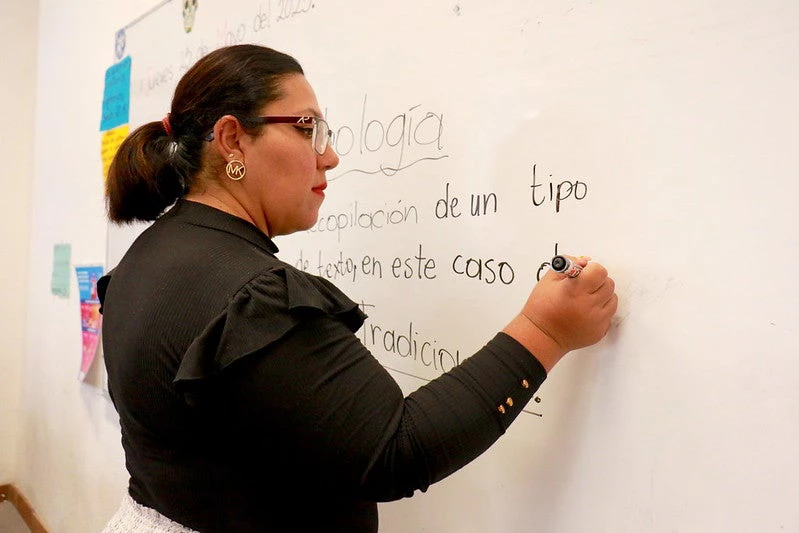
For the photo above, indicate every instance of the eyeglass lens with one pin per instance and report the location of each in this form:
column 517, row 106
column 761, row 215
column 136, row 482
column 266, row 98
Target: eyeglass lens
column 322, row 136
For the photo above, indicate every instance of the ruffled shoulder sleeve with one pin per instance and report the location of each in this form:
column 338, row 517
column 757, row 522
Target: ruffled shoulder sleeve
column 261, row 313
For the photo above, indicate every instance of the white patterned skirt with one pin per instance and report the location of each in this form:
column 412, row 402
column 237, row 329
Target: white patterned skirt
column 135, row 518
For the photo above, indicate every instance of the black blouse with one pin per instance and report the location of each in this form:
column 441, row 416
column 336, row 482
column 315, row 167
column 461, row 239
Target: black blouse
column 247, row 403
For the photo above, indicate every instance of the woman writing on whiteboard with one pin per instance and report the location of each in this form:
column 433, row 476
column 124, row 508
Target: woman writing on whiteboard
column 246, row 401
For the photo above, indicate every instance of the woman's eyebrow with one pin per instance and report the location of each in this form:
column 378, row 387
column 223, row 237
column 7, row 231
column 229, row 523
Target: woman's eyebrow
column 310, row 111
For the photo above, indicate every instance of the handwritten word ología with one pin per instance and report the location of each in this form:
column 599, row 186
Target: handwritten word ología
column 359, row 218
column 564, row 190
column 418, row 131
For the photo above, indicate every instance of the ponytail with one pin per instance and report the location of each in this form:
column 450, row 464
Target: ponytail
column 144, row 178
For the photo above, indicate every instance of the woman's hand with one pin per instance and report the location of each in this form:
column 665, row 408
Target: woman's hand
column 564, row 314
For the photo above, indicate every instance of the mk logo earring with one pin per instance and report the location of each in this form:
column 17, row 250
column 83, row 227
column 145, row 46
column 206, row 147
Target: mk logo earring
column 235, row 169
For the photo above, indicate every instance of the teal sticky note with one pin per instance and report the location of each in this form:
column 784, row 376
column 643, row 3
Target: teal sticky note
column 59, row 284
column 116, row 95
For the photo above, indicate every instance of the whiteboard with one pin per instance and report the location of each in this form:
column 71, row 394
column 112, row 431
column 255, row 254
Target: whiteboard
column 476, row 140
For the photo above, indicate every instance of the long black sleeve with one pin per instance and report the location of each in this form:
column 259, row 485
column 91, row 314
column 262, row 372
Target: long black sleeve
column 336, row 414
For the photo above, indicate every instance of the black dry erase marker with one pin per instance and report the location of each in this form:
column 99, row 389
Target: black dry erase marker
column 564, row 265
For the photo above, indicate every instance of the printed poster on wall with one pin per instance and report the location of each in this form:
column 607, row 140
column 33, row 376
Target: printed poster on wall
column 90, row 317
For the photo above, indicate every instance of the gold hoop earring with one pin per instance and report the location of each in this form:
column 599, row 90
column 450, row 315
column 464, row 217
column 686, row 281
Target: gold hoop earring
column 235, row 169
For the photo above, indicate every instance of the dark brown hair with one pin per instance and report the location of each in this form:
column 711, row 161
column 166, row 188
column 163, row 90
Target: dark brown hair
column 152, row 168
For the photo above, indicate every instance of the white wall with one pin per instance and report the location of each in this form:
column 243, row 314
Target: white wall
column 69, row 461
column 18, row 72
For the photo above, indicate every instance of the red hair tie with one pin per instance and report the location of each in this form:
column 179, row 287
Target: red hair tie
column 167, row 125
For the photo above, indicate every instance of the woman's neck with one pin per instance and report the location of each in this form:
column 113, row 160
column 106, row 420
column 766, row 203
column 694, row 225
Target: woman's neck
column 224, row 201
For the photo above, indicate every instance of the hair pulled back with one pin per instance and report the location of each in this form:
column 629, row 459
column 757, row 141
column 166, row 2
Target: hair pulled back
column 152, row 167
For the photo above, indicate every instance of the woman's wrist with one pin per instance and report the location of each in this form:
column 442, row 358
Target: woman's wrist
column 537, row 341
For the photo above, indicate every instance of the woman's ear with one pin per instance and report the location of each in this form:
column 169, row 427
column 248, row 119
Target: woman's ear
column 228, row 135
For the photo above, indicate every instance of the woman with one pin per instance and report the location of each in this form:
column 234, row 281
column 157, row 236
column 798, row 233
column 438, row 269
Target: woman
column 246, row 401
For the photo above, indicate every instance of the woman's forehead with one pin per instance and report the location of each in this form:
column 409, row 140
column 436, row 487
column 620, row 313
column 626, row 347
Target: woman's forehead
column 298, row 97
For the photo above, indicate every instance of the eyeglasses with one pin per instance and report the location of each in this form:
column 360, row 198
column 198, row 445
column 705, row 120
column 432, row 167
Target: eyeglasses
column 321, row 134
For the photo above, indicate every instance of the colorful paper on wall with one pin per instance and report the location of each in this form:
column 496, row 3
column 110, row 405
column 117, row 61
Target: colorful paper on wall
column 116, row 95
column 111, row 140
column 90, row 317
column 116, row 110
column 59, row 284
